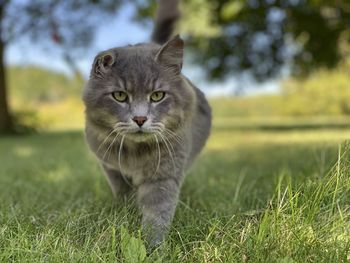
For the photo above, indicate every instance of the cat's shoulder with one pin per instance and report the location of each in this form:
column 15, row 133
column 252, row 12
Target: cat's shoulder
column 201, row 101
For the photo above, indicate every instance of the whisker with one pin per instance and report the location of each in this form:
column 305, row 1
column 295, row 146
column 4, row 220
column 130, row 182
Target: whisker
column 173, row 137
column 172, row 148
column 119, row 161
column 173, row 151
column 173, row 133
column 159, row 155
column 105, row 140
column 115, row 129
column 121, row 124
column 119, row 153
column 110, row 146
column 109, row 154
column 170, row 155
column 161, row 127
column 159, row 124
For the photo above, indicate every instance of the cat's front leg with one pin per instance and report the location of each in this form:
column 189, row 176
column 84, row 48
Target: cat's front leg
column 120, row 187
column 157, row 201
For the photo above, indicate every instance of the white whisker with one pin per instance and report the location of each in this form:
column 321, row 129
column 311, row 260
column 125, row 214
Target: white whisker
column 170, row 155
column 119, row 124
column 173, row 133
column 115, row 129
column 105, row 140
column 159, row 155
column 110, row 146
column 119, row 161
column 173, row 137
column 158, row 126
column 173, row 151
column 109, row 154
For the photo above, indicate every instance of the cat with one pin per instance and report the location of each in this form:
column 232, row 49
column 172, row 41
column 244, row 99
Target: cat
column 146, row 122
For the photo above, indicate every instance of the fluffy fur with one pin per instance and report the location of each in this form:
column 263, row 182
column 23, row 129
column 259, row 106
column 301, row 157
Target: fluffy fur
column 151, row 159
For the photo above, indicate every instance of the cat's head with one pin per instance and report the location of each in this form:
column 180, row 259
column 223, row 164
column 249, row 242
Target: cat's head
column 139, row 91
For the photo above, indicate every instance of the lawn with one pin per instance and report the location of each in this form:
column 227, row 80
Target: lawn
column 254, row 195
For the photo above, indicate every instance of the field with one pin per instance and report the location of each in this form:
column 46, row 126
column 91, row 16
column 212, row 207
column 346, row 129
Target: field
column 257, row 193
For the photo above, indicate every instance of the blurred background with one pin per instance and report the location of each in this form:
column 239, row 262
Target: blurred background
column 277, row 75
column 262, row 63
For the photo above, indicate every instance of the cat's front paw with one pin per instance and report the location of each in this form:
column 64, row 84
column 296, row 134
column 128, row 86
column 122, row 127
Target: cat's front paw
column 154, row 235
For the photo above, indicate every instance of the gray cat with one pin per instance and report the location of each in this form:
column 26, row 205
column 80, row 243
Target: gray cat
column 146, row 122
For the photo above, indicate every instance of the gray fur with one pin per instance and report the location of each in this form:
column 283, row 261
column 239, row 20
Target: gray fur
column 151, row 163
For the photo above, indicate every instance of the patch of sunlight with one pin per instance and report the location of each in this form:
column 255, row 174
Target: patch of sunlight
column 341, row 231
column 211, row 253
column 230, row 139
column 61, row 173
column 343, row 237
column 308, row 233
column 23, row 151
column 222, row 121
column 67, row 114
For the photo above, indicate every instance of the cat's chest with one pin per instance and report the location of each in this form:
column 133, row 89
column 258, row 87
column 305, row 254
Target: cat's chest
column 140, row 164
column 136, row 163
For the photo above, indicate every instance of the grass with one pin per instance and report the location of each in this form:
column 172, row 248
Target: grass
column 252, row 196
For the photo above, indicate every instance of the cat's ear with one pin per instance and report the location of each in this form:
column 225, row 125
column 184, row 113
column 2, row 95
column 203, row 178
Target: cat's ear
column 102, row 63
column 170, row 54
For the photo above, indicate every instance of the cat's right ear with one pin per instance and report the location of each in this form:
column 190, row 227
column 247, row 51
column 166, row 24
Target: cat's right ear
column 103, row 63
column 170, row 54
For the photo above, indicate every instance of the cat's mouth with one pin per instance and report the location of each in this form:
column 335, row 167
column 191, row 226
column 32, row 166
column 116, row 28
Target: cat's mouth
column 140, row 135
column 141, row 131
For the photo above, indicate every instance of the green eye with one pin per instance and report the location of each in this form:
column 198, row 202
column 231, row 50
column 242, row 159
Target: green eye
column 120, row 96
column 157, row 96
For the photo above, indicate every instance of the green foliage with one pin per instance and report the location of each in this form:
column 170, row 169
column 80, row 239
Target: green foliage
column 133, row 249
column 230, row 10
column 263, row 36
column 38, row 85
column 198, row 13
column 325, row 92
column 26, row 121
column 43, row 99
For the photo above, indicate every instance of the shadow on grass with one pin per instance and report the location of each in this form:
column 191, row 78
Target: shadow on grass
column 282, row 127
column 55, row 169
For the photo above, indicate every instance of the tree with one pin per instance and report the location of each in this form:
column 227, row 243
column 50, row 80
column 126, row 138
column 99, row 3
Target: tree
column 262, row 36
column 57, row 24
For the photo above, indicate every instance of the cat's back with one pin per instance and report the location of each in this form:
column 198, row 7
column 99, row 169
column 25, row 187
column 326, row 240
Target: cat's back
column 201, row 121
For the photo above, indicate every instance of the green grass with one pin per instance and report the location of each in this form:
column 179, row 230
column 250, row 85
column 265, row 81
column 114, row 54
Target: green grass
column 252, row 196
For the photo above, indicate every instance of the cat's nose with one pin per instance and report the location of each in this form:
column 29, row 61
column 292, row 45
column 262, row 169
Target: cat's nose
column 140, row 120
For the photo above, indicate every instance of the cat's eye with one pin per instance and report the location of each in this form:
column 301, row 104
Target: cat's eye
column 157, row 96
column 120, row 96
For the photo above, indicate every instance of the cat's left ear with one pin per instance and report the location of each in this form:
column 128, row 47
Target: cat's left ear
column 170, row 54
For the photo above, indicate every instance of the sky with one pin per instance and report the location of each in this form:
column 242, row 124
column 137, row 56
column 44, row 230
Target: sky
column 123, row 31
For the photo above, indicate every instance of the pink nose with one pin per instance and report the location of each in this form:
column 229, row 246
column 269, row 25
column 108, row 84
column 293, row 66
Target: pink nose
column 140, row 120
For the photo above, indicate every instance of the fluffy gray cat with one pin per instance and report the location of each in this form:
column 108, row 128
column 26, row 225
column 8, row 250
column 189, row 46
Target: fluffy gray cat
column 146, row 122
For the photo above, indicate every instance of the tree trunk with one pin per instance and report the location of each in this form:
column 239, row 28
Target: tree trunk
column 6, row 124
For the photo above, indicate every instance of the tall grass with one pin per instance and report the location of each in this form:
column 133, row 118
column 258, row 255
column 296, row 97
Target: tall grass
column 245, row 200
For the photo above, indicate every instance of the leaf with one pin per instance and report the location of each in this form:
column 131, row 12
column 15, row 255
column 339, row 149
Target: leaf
column 133, row 249
column 230, row 10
